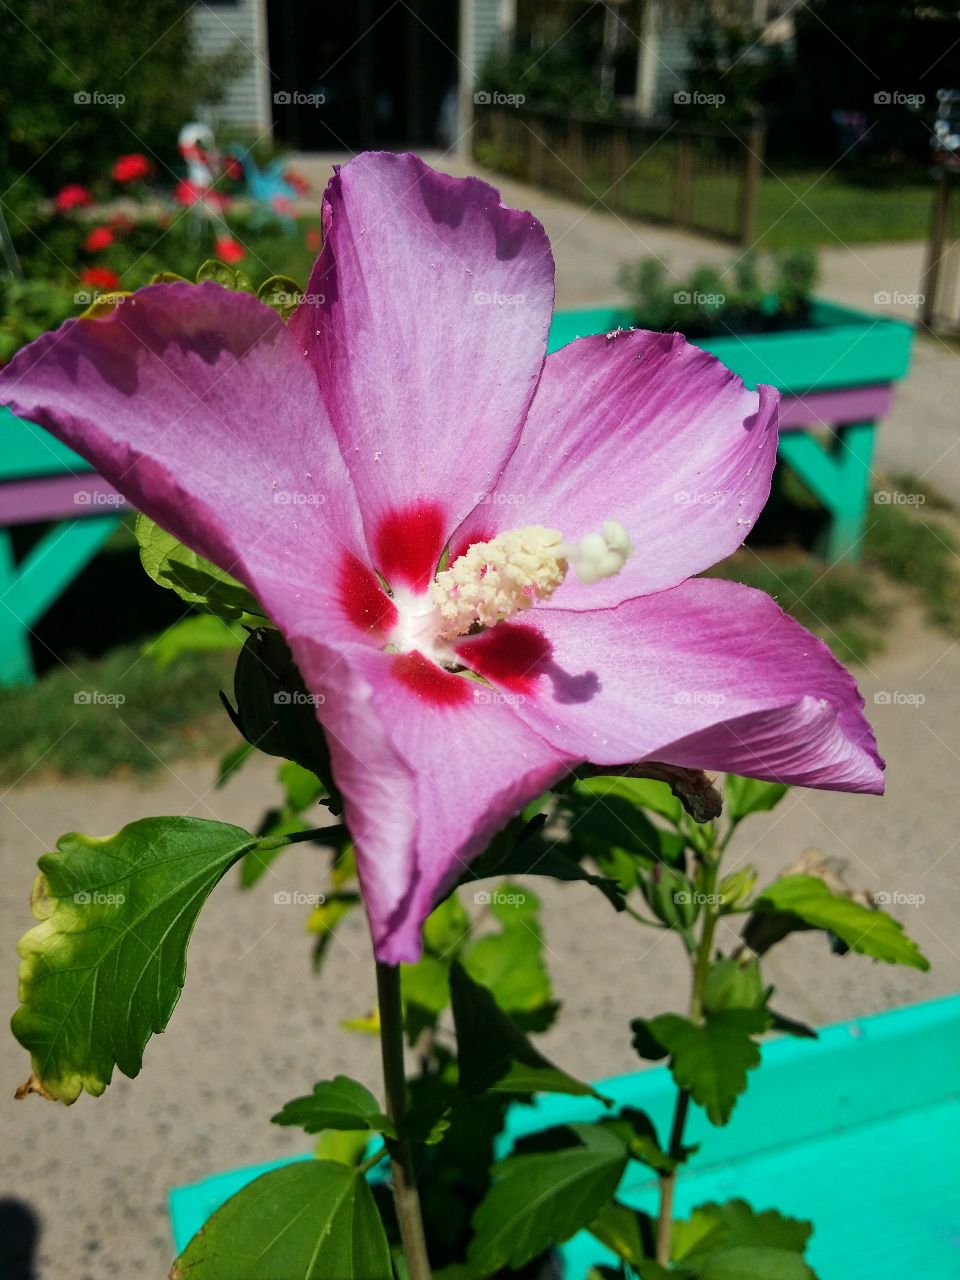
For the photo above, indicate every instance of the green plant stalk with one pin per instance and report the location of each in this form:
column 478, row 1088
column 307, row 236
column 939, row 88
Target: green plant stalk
column 406, row 1199
column 701, row 967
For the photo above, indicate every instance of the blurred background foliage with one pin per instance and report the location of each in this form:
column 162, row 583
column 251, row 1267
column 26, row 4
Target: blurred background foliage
column 142, row 51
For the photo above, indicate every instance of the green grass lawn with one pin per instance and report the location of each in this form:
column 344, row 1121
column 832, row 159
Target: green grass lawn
column 797, row 209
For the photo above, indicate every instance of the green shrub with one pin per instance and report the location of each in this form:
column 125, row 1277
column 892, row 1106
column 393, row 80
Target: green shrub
column 143, row 53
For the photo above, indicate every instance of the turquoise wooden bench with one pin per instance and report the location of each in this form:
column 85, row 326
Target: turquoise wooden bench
column 837, row 381
column 42, row 480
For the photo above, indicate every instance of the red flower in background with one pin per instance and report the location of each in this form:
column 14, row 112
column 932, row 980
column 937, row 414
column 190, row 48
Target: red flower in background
column 233, row 169
column 299, row 184
column 131, row 168
column 228, row 250
column 100, row 278
column 99, row 238
column 186, row 192
column 121, row 223
column 313, row 239
column 72, row 197
column 282, row 206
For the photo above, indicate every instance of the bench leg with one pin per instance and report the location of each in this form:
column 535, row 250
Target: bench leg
column 27, row 590
column 16, row 660
column 840, row 478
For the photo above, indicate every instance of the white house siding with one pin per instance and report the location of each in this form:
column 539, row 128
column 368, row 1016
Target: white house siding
column 218, row 26
column 482, row 24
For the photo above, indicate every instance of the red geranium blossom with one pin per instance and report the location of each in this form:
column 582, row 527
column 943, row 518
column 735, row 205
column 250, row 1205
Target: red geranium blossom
column 187, row 193
column 100, row 278
column 299, row 184
column 131, row 168
column 99, row 238
column 72, row 197
column 228, row 250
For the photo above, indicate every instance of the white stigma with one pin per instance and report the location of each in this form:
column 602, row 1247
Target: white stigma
column 497, row 579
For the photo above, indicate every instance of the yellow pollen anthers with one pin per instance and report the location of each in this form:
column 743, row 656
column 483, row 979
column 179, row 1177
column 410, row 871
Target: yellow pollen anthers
column 497, row 579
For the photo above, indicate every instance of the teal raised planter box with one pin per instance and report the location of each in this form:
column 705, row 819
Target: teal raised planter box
column 836, row 380
column 856, row 1132
column 845, row 348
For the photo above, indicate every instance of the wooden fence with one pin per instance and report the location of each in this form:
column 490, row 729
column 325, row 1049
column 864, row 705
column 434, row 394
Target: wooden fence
column 940, row 288
column 705, row 177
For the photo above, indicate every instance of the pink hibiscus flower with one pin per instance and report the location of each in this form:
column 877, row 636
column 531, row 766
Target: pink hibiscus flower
column 408, row 409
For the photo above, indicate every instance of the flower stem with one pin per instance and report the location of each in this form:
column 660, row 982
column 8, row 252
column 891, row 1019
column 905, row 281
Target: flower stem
column 701, row 967
column 405, row 1196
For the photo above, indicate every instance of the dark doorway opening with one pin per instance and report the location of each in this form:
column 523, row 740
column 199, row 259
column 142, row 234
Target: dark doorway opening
column 371, row 73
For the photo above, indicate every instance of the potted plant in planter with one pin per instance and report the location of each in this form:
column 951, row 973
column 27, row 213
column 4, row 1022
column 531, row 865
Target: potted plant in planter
column 476, row 697
column 835, row 366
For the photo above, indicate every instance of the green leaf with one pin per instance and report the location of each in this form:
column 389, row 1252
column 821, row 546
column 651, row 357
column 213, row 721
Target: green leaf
column 671, row 896
column 809, row 901
column 753, row 1262
column 722, row 1226
column 340, row 1103
column 232, row 760
column 302, row 786
column 542, row 1199
column 535, row 857
column 426, row 983
column 710, row 1061
column 493, row 1054
column 446, row 928
column 222, row 274
column 637, row 1132
column 282, row 293
column 750, row 795
column 609, row 823
column 510, row 963
column 196, row 580
column 643, row 793
column 104, row 968
column 275, row 712
column 624, row 1230
column 312, row 1220
column 790, row 1026
column 197, row 633
column 734, row 984
column 345, row 1146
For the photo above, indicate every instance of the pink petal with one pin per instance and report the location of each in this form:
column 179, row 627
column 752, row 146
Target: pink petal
column 197, row 404
column 709, row 675
column 431, row 765
column 649, row 430
column 426, row 317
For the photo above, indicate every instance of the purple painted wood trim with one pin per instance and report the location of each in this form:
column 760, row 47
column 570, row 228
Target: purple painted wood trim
column 58, row 498
column 836, row 408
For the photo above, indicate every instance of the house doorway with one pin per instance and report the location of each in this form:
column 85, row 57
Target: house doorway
column 370, row 73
